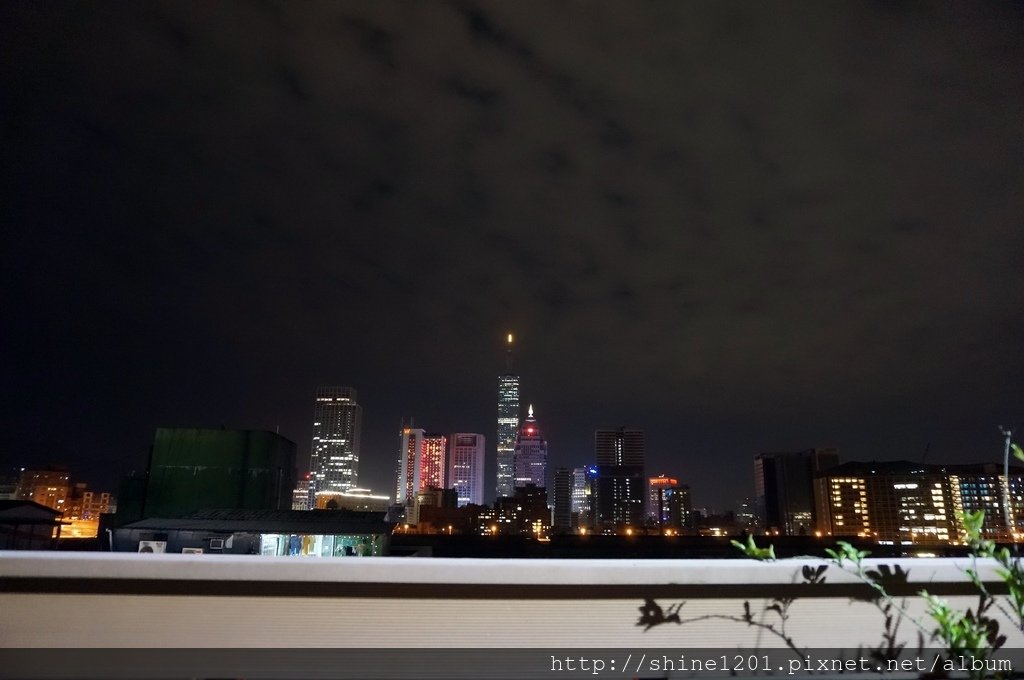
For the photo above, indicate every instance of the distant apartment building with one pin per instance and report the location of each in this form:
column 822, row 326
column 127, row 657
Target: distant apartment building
column 896, row 502
column 784, row 489
column 981, row 487
column 303, row 494
column 79, row 508
column 525, row 513
column 904, row 503
column 746, row 515
column 431, row 505
column 83, row 512
column 50, row 487
column 466, row 453
column 680, row 508
column 621, row 487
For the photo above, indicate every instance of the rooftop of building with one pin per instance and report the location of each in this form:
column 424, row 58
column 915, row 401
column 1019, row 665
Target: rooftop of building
column 906, row 467
column 272, row 521
column 26, row 512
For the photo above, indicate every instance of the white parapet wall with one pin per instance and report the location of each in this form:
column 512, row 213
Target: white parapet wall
column 123, row 600
column 177, row 615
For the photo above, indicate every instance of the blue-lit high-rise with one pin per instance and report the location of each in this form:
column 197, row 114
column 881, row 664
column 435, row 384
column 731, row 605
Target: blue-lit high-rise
column 508, row 424
column 466, row 467
column 584, row 491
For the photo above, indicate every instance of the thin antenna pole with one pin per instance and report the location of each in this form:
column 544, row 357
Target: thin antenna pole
column 1007, row 434
column 508, row 355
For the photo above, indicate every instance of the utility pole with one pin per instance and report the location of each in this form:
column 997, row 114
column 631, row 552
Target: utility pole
column 1007, row 435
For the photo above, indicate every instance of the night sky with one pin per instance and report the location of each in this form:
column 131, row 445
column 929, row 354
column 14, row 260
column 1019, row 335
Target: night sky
column 744, row 227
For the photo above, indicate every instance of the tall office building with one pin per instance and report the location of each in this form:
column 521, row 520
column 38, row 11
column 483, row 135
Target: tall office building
column 659, row 497
column 530, row 455
column 422, row 463
column 680, row 508
column 619, row 454
column 584, row 488
column 337, row 421
column 784, row 488
column 508, row 424
column 410, row 455
column 434, row 464
column 561, row 519
column 466, row 467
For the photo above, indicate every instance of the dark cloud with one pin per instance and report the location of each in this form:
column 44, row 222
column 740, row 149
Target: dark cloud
column 743, row 227
column 377, row 42
column 482, row 96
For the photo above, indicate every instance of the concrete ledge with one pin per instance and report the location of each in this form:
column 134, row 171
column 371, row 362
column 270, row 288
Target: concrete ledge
column 127, row 600
column 24, row 564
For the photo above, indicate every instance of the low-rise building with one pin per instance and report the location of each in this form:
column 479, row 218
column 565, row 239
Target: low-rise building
column 311, row 533
column 904, row 503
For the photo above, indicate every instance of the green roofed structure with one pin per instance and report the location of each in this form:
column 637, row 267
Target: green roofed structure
column 193, row 469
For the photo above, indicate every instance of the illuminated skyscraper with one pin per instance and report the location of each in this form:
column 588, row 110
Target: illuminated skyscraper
column 466, row 467
column 530, row 455
column 508, row 424
column 584, row 485
column 337, row 420
column 659, row 497
column 621, row 485
column 422, row 463
column 434, row 465
column 410, row 453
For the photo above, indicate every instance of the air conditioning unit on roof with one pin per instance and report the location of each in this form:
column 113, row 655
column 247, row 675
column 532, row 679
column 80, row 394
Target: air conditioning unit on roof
column 152, row 546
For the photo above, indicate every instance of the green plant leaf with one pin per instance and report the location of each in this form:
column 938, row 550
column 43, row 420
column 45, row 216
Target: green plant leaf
column 751, row 550
column 1017, row 451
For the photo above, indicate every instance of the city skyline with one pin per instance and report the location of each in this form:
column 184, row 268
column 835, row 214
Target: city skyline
column 705, row 496
column 742, row 228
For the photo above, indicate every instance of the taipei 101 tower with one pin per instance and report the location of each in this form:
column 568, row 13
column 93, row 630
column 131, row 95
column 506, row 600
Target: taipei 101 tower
column 508, row 423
